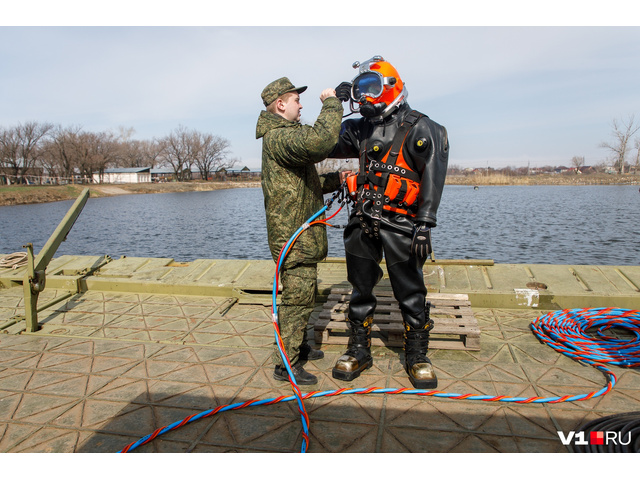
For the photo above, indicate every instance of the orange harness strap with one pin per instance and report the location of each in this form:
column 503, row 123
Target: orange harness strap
column 390, row 183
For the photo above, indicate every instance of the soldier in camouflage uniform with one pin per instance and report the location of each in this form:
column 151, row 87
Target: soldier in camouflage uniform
column 293, row 192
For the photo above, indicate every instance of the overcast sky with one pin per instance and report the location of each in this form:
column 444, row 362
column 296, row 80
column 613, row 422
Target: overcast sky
column 507, row 95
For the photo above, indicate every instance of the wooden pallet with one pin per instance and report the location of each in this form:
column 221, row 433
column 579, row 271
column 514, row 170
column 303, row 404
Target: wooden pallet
column 455, row 326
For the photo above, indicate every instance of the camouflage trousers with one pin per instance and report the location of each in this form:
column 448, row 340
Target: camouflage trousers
column 299, row 285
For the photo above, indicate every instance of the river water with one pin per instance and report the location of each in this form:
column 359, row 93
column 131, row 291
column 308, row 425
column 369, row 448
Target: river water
column 594, row 225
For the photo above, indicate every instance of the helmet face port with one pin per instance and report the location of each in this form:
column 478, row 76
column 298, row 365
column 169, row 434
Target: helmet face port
column 368, row 84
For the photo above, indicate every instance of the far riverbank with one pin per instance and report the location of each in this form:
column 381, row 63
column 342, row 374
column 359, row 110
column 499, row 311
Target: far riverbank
column 545, row 179
column 29, row 194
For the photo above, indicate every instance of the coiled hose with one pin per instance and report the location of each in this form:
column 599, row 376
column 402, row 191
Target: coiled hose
column 564, row 330
column 626, row 428
column 582, row 334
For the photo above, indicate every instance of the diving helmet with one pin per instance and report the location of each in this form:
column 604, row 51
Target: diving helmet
column 377, row 88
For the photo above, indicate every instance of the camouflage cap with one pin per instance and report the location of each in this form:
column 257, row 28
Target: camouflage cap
column 279, row 87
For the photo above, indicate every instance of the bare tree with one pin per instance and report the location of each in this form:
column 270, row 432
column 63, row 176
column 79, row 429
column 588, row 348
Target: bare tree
column 454, row 169
column 68, row 151
column 125, row 133
column 59, row 157
column 623, row 131
column 105, row 150
column 600, row 167
column 85, row 153
column 130, row 154
column 508, row 170
column 577, row 163
column 84, row 148
column 139, row 153
column 179, row 148
column 21, row 147
column 211, row 154
column 71, row 150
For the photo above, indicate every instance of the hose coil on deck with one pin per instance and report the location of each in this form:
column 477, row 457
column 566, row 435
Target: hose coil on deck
column 625, row 428
column 581, row 334
column 598, row 336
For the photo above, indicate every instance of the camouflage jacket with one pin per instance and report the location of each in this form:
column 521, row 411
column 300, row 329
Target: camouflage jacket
column 293, row 190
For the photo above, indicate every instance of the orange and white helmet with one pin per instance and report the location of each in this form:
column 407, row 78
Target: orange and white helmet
column 378, row 88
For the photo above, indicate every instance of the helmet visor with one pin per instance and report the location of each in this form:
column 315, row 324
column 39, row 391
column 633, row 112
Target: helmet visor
column 369, row 84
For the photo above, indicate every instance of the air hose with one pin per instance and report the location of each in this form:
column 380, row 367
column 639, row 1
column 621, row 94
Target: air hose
column 563, row 330
column 274, row 311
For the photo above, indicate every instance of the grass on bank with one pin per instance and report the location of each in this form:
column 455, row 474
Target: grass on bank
column 544, row 179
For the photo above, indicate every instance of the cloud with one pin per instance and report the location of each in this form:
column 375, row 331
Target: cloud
column 511, row 94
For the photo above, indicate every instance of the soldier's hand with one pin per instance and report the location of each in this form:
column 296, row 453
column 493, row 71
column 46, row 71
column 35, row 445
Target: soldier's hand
column 326, row 93
column 421, row 243
column 343, row 91
column 344, row 174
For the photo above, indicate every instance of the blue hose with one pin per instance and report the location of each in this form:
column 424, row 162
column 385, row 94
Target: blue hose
column 285, row 358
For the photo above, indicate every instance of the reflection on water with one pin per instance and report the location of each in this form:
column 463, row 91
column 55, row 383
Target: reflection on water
column 596, row 225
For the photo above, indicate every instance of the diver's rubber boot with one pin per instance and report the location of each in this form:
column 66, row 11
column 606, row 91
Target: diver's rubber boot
column 416, row 344
column 357, row 358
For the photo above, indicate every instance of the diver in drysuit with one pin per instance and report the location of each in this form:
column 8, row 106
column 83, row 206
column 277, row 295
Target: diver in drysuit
column 403, row 158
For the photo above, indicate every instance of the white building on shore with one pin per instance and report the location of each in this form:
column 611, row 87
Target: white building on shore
column 124, row 175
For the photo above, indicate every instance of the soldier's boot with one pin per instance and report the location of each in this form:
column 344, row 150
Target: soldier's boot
column 416, row 344
column 300, row 374
column 307, row 352
column 357, row 358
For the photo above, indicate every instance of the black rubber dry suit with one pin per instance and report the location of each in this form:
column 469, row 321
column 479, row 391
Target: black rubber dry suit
column 385, row 222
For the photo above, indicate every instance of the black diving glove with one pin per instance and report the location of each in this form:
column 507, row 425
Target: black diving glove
column 421, row 243
column 343, row 91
